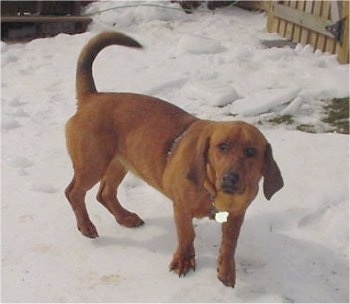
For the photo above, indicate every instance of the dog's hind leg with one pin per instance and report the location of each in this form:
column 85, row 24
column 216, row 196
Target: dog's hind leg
column 91, row 155
column 75, row 193
column 107, row 195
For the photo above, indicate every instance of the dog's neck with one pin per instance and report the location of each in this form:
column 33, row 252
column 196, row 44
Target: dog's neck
column 213, row 211
column 176, row 142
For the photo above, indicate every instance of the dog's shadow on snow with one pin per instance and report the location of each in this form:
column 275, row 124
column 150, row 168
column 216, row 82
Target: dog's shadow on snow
column 267, row 261
column 157, row 232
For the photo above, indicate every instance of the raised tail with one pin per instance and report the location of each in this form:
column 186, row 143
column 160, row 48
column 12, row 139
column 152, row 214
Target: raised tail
column 85, row 83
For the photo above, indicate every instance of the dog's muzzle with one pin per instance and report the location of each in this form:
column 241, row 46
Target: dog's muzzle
column 230, row 183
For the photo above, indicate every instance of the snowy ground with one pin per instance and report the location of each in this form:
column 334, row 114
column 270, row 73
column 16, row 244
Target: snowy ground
column 292, row 249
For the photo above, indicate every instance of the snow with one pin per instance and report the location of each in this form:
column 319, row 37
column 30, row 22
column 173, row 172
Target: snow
column 210, row 91
column 264, row 101
column 195, row 44
column 294, row 248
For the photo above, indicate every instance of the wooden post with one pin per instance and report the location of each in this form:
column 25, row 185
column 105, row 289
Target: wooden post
column 270, row 17
column 343, row 47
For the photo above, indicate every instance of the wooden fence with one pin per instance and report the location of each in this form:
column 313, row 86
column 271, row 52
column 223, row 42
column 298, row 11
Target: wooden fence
column 322, row 24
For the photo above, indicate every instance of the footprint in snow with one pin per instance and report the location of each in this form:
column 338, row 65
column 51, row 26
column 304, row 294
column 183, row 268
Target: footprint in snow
column 110, row 279
column 20, row 113
column 44, row 187
column 16, row 102
column 249, row 266
column 6, row 59
column 19, row 162
column 9, row 123
column 312, row 217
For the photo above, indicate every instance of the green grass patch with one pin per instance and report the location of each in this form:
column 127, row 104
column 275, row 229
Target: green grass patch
column 334, row 117
column 337, row 114
column 307, row 128
column 284, row 119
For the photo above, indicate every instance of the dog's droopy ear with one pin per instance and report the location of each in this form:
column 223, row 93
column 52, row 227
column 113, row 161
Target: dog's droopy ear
column 273, row 180
column 198, row 164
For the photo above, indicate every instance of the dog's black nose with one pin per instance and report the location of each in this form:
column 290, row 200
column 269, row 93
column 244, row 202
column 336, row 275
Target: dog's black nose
column 231, row 178
column 229, row 182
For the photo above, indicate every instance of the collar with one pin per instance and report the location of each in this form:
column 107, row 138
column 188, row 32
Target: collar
column 176, row 141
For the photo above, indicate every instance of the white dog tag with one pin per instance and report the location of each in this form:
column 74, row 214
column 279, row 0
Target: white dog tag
column 221, row 217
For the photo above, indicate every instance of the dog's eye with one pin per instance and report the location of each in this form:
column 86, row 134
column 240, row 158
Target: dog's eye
column 250, row 152
column 224, row 147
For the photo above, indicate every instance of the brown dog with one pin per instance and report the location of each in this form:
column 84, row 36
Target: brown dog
column 202, row 166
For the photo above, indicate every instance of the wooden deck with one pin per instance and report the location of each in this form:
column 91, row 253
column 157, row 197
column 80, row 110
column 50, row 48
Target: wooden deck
column 19, row 28
column 44, row 19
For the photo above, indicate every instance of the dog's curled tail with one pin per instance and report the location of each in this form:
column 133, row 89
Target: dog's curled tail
column 85, row 83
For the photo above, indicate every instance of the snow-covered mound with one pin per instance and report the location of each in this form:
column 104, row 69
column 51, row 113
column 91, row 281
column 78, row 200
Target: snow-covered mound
column 263, row 101
column 211, row 91
column 195, row 44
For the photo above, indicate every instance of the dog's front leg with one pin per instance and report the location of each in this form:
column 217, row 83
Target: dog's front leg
column 226, row 261
column 184, row 257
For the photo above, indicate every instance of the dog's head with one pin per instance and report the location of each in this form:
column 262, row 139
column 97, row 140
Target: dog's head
column 229, row 159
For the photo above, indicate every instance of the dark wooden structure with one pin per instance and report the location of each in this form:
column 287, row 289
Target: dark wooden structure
column 26, row 20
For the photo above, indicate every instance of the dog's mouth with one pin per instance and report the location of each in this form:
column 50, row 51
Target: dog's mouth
column 232, row 188
column 229, row 189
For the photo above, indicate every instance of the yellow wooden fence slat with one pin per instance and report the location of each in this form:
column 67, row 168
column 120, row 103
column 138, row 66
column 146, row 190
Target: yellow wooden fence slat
column 290, row 25
column 325, row 8
column 315, row 35
column 304, row 39
column 343, row 51
column 298, row 29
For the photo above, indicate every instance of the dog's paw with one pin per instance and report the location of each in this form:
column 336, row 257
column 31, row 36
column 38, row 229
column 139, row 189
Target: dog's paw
column 227, row 274
column 130, row 220
column 89, row 230
column 228, row 279
column 181, row 265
